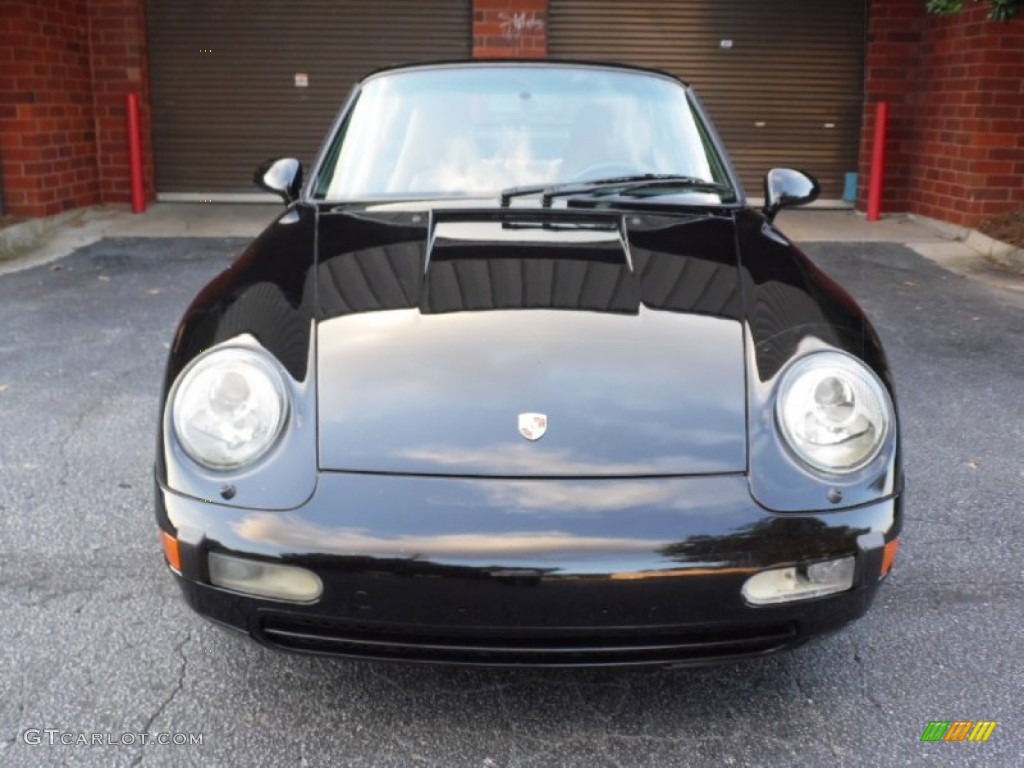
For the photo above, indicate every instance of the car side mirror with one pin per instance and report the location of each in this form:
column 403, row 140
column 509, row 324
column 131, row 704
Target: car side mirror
column 282, row 176
column 785, row 188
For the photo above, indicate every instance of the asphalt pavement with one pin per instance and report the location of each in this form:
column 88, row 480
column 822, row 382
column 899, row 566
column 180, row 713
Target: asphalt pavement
column 97, row 644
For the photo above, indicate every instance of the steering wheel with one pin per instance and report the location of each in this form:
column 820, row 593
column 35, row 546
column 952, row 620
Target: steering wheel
column 609, row 170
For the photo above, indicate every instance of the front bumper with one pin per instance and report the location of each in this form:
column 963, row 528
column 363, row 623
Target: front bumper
column 530, row 572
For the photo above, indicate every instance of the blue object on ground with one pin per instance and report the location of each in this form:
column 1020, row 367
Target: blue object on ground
column 850, row 188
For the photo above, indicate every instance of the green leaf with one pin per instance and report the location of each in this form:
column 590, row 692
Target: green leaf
column 999, row 10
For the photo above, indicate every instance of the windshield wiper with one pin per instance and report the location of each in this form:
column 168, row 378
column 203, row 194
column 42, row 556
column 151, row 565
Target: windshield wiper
column 619, row 183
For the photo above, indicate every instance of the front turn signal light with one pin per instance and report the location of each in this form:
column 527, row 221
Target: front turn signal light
column 171, row 550
column 888, row 556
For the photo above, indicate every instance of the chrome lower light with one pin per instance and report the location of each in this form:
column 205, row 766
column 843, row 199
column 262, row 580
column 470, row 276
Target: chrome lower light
column 782, row 585
column 262, row 579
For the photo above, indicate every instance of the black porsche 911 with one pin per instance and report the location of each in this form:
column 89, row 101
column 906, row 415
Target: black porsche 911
column 518, row 378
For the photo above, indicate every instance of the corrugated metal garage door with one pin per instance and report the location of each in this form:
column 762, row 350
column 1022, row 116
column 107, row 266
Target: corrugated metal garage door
column 223, row 76
column 782, row 79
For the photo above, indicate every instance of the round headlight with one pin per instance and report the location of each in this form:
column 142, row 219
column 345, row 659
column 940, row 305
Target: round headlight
column 229, row 408
column 833, row 412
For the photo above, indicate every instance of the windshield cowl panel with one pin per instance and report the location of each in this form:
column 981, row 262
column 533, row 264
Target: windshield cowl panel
column 474, row 131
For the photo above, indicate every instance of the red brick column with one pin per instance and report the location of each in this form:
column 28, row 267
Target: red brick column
column 956, row 88
column 117, row 34
column 510, row 28
column 891, row 74
column 65, row 66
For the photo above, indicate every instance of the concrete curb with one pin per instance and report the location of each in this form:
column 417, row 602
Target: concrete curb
column 1007, row 256
column 70, row 231
column 51, row 238
column 20, row 236
column 1002, row 253
column 28, row 234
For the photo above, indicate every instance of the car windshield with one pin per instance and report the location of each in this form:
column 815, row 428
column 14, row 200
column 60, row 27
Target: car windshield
column 475, row 131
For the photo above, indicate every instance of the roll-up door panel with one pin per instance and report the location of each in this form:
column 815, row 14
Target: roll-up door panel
column 782, row 79
column 224, row 76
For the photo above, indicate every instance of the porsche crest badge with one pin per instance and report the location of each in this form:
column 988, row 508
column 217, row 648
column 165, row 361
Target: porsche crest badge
column 532, row 426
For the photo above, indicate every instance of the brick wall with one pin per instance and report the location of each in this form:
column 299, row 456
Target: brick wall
column 65, row 66
column 47, row 132
column 956, row 90
column 510, row 28
column 955, row 86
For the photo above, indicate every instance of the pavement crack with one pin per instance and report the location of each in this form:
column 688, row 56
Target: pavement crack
column 183, row 669
column 21, row 710
column 76, row 427
column 865, row 688
column 43, row 600
column 821, row 735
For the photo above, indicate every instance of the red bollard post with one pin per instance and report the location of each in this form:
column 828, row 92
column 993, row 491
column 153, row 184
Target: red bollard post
column 878, row 161
column 131, row 111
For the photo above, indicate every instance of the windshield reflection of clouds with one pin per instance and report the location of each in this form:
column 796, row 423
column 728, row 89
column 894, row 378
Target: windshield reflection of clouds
column 479, row 130
column 461, row 168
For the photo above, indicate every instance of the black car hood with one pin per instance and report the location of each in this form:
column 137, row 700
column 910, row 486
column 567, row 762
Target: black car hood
column 437, row 332
column 430, row 349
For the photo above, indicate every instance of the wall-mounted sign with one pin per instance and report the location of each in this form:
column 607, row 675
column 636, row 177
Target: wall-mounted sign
column 725, row 44
column 301, row 80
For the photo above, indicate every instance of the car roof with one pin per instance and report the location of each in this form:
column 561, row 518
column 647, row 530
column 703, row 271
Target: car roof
column 522, row 62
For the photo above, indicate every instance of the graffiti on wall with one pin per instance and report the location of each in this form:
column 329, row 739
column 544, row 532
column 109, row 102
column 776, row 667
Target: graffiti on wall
column 515, row 25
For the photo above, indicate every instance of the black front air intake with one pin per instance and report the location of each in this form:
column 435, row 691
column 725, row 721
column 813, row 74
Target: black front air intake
column 504, row 647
